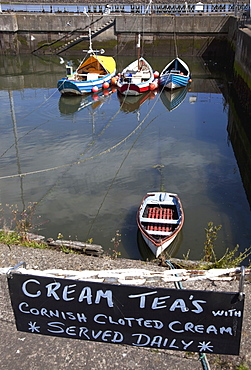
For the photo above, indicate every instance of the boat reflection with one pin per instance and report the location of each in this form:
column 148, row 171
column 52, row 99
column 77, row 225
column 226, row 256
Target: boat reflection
column 173, row 98
column 69, row 104
column 171, row 251
column 131, row 103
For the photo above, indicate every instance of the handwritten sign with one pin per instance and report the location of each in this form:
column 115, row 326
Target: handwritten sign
column 183, row 320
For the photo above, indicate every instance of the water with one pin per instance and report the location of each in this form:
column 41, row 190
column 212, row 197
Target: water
column 89, row 165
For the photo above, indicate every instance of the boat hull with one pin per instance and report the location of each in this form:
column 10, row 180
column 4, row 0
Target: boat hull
column 132, row 89
column 157, row 250
column 137, row 78
column 173, row 81
column 160, row 218
column 73, row 87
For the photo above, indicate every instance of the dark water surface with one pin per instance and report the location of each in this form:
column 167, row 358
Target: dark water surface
column 88, row 165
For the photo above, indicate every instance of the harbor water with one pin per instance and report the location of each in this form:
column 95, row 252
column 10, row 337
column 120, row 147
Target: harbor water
column 88, row 161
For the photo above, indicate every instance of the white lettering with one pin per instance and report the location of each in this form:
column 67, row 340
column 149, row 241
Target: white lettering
column 174, row 323
column 71, row 330
column 51, row 288
column 107, row 333
column 179, row 303
column 198, row 306
column 211, row 328
column 157, row 340
column 140, row 338
column 56, row 325
column 107, row 294
column 96, row 318
column 86, row 293
column 25, row 291
column 157, row 302
column 186, row 345
column 142, row 296
column 226, row 330
column 66, row 292
column 83, row 331
column 172, row 344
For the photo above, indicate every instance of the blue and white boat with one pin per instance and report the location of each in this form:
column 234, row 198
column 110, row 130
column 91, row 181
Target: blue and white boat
column 93, row 74
column 175, row 74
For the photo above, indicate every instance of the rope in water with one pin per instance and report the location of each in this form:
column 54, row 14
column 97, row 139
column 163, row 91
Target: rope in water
column 85, row 159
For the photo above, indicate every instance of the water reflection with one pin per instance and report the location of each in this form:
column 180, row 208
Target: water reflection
column 132, row 103
column 72, row 104
column 88, row 168
column 172, row 99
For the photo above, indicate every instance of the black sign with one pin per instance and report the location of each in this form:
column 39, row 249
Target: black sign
column 183, row 320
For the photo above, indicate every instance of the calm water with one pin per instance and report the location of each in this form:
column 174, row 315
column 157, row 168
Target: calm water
column 88, row 163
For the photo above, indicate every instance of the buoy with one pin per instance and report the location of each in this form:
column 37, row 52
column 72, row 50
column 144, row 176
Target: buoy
column 105, row 85
column 156, row 74
column 114, row 80
column 95, row 89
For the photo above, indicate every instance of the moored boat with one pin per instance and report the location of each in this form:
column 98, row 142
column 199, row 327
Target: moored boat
column 93, row 74
column 176, row 74
column 160, row 218
column 138, row 77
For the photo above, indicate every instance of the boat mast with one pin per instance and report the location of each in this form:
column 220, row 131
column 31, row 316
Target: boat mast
column 138, row 47
column 90, row 51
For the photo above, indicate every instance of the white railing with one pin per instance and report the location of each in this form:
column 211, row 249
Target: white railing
column 183, row 8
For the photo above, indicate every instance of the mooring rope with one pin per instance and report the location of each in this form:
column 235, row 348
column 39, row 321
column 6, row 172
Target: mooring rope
column 85, row 159
column 123, row 161
column 202, row 356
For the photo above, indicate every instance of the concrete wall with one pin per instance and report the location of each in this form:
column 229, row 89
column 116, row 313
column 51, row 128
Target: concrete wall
column 243, row 55
column 183, row 24
column 19, row 22
column 25, row 32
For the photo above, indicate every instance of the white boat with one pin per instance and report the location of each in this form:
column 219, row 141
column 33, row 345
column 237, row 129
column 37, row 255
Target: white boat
column 138, row 77
column 160, row 218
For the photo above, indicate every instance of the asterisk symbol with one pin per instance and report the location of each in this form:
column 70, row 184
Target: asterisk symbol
column 205, row 346
column 33, row 327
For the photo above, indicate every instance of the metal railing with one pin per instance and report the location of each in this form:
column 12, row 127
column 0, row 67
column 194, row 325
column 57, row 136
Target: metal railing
column 159, row 9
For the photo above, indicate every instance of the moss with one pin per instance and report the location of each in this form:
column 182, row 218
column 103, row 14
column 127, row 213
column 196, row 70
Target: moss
column 243, row 74
column 22, row 40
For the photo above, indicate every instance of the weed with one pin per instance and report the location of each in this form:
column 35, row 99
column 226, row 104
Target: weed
column 116, row 241
column 230, row 257
column 211, row 236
